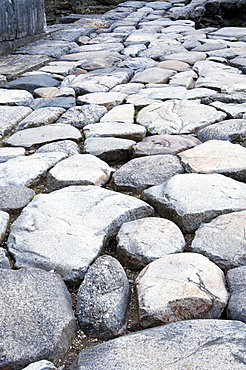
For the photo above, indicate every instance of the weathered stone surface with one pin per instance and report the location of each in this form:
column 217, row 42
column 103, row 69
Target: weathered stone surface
column 13, row 66
column 28, row 170
column 140, row 37
column 62, row 68
column 186, row 79
column 4, row 219
column 205, row 67
column 52, row 48
column 91, row 60
column 40, row 117
column 73, row 216
column 121, row 113
column 164, row 144
column 15, row 97
column 216, row 156
column 67, row 146
column 108, row 99
column 178, row 117
column 8, row 153
column 130, row 88
column 13, row 198
column 82, row 116
column 140, row 101
column 40, row 365
column 174, row 64
column 115, row 129
column 31, row 81
column 11, row 116
column 232, row 110
column 50, row 92
column 232, row 129
column 141, row 173
column 223, row 240
column 220, row 80
column 109, row 149
column 65, row 102
column 161, row 47
column 103, row 299
column 190, row 199
column 37, row 320
column 153, row 75
column 79, row 169
column 235, row 32
column 189, row 57
column 236, row 279
column 43, row 134
column 185, row 286
column 4, row 261
column 138, row 63
column 143, row 241
column 172, row 346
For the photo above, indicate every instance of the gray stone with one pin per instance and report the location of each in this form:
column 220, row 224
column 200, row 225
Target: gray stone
column 190, row 57
column 223, row 240
column 140, row 101
column 164, row 144
column 138, row 245
column 13, row 66
column 121, row 113
column 178, row 117
column 235, row 32
column 141, row 173
column 37, row 320
column 201, row 93
column 82, row 116
column 216, row 156
column 52, row 48
column 130, row 88
column 4, row 219
column 201, row 344
column 181, row 286
column 4, row 261
column 40, row 117
column 63, row 68
column 133, row 50
column 14, row 198
column 153, row 75
column 190, row 199
column 40, row 365
column 31, row 81
column 15, row 97
column 48, row 92
column 239, row 62
column 174, row 64
column 103, row 299
column 8, row 153
column 205, row 67
column 236, row 280
column 113, row 46
column 164, row 93
column 140, row 37
column 138, row 63
column 79, row 169
column 91, row 60
column 186, row 79
column 220, row 80
column 108, row 99
column 59, row 101
column 232, row 129
column 43, row 134
column 122, row 130
column 232, row 110
column 28, row 170
column 73, row 216
column 109, row 149
column 69, row 147
column 11, row 116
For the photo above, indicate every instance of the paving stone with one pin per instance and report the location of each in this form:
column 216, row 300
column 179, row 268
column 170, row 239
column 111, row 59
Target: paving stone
column 164, row 144
column 178, row 117
column 190, row 199
column 140, row 101
column 91, row 60
column 175, row 346
column 82, row 116
column 201, row 93
column 109, row 149
column 239, row 62
column 216, row 156
column 11, row 116
column 186, row 79
column 32, row 81
column 164, row 93
column 220, row 80
column 129, row 88
column 28, row 170
column 62, row 102
column 103, row 299
column 61, row 68
column 13, row 66
column 15, row 97
column 67, row 146
column 190, row 57
column 121, row 113
column 68, row 34
column 108, row 99
column 37, row 320
column 8, row 153
column 133, row 50
column 14, row 198
column 4, row 261
column 158, row 49
column 204, row 67
column 114, row 46
column 232, row 129
column 79, row 169
column 52, row 48
column 43, row 134
column 153, row 75
column 138, row 63
column 235, row 32
column 222, row 240
column 140, row 37
column 185, row 286
column 141, row 173
column 138, row 246
column 232, row 110
column 40, row 365
column 73, row 216
column 236, row 282
column 115, row 129
column 40, row 117
column 4, row 220
column 51, row 92
column 174, row 64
